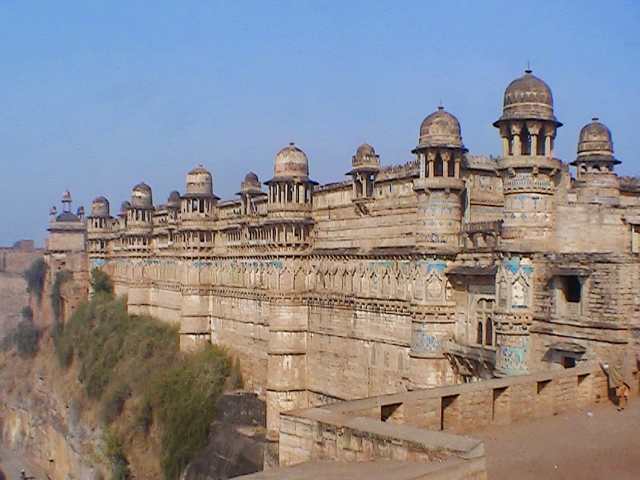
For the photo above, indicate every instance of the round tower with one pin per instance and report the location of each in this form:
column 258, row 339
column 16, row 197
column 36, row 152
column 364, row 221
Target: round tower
column 440, row 151
column 198, row 210
column 98, row 227
column 528, row 129
column 596, row 181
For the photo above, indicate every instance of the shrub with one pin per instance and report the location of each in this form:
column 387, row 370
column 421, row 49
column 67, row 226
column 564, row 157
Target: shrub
column 27, row 313
column 101, row 282
column 121, row 356
column 184, row 400
column 35, row 276
column 26, row 338
column 56, row 297
column 114, row 401
column 235, row 380
column 114, row 452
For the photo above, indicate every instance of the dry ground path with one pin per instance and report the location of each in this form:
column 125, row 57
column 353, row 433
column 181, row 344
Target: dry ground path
column 603, row 445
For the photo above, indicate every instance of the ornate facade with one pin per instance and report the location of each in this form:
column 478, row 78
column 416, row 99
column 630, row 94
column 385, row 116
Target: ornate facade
column 449, row 268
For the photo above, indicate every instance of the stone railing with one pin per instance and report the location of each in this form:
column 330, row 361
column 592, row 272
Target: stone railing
column 424, row 426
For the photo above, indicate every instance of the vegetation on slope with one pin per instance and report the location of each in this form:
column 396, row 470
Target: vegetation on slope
column 35, row 276
column 61, row 277
column 24, row 337
column 133, row 363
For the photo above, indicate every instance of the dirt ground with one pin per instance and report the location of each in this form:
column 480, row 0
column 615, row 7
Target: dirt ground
column 603, row 445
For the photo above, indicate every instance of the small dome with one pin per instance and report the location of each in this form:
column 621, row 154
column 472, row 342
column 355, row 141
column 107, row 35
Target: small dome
column 67, row 217
column 141, row 196
column 291, row 162
column 80, row 211
column 528, row 98
column 66, row 197
column 440, row 129
column 199, row 182
column 251, row 178
column 174, row 199
column 124, row 206
column 595, row 139
column 365, row 157
column 100, row 207
column 251, row 183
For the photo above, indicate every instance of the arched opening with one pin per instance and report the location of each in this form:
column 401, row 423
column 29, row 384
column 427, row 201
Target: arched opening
column 438, row 168
column 525, row 141
column 451, row 168
column 479, row 336
column 489, row 335
column 572, row 289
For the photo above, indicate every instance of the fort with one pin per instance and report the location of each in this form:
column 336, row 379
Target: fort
column 449, row 269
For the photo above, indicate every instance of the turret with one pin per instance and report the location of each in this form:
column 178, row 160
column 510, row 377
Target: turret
column 439, row 151
column 596, row 181
column 250, row 189
column 198, row 210
column 365, row 165
column 528, row 129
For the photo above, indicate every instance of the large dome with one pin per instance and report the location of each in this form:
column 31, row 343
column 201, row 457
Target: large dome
column 100, row 207
column 141, row 196
column 291, row 162
column 595, row 139
column 200, row 182
column 440, row 129
column 528, row 98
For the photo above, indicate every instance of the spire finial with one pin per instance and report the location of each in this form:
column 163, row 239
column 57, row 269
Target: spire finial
column 440, row 106
column 528, row 69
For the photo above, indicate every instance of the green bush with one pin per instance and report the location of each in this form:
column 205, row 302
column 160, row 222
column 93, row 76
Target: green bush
column 114, row 451
column 26, row 338
column 27, row 313
column 184, row 400
column 121, row 356
column 114, row 401
column 101, row 282
column 35, row 275
column 56, row 297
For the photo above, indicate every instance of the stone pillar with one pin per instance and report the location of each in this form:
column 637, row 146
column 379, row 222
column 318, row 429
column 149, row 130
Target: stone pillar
column 428, row 366
column 516, row 149
column 286, row 368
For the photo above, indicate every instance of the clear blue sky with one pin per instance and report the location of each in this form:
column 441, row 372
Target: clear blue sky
column 96, row 96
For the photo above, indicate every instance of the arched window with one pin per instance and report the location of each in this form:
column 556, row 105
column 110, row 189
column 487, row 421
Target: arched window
column 451, row 170
column 489, row 336
column 479, row 335
column 438, row 170
column 525, row 140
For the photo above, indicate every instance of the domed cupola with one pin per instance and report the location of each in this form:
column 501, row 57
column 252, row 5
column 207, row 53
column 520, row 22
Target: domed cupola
column 251, row 183
column 173, row 201
column 596, row 180
column 528, row 98
column 100, row 207
column 141, row 196
column 365, row 165
column 527, row 125
column 595, row 141
column 250, row 189
column 199, row 182
column 440, row 129
column 292, row 162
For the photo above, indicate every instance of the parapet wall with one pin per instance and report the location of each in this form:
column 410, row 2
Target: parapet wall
column 425, row 425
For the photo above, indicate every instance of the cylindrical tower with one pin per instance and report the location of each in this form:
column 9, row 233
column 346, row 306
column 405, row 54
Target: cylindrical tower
column 440, row 151
column 528, row 129
column 596, row 181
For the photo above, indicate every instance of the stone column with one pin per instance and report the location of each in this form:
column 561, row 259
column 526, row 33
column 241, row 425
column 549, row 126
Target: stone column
column 286, row 368
column 515, row 135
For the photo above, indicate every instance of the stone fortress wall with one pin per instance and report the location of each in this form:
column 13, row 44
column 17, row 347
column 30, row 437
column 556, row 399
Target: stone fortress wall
column 450, row 268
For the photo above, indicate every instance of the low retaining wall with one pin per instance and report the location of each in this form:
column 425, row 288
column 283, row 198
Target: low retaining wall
column 425, row 425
